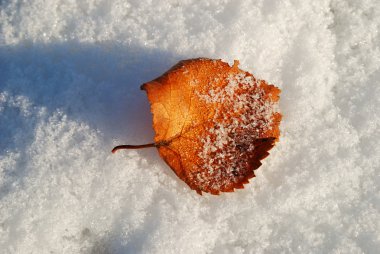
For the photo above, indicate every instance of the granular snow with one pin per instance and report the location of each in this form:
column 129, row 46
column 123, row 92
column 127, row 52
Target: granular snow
column 70, row 73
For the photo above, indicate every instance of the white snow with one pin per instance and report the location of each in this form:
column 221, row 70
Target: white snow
column 70, row 73
column 242, row 115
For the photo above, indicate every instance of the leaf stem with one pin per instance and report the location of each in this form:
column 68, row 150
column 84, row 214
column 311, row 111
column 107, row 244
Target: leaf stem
column 116, row 148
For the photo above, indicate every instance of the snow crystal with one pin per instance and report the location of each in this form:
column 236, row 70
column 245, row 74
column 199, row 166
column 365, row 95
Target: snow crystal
column 70, row 73
column 244, row 114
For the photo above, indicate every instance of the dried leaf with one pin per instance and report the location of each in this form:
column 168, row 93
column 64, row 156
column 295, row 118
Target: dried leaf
column 213, row 123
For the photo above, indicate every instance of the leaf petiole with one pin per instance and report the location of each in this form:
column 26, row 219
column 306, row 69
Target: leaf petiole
column 121, row 147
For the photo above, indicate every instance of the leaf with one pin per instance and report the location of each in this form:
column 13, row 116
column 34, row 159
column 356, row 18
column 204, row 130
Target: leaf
column 214, row 123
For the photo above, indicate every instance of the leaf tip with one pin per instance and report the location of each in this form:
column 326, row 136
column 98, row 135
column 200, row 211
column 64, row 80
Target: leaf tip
column 236, row 64
column 143, row 87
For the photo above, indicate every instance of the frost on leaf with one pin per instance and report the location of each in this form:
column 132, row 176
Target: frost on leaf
column 213, row 122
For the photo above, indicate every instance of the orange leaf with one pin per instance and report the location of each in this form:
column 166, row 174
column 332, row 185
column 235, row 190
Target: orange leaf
column 213, row 122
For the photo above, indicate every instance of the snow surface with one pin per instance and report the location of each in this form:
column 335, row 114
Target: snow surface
column 70, row 73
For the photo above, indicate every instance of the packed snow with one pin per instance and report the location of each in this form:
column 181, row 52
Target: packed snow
column 70, row 73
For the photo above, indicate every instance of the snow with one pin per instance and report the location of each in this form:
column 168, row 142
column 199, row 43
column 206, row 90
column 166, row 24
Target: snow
column 70, row 73
column 245, row 112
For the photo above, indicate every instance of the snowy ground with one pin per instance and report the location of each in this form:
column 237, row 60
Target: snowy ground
column 70, row 73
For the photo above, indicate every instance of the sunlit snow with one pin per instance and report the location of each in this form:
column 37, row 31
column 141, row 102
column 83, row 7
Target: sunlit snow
column 70, row 73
